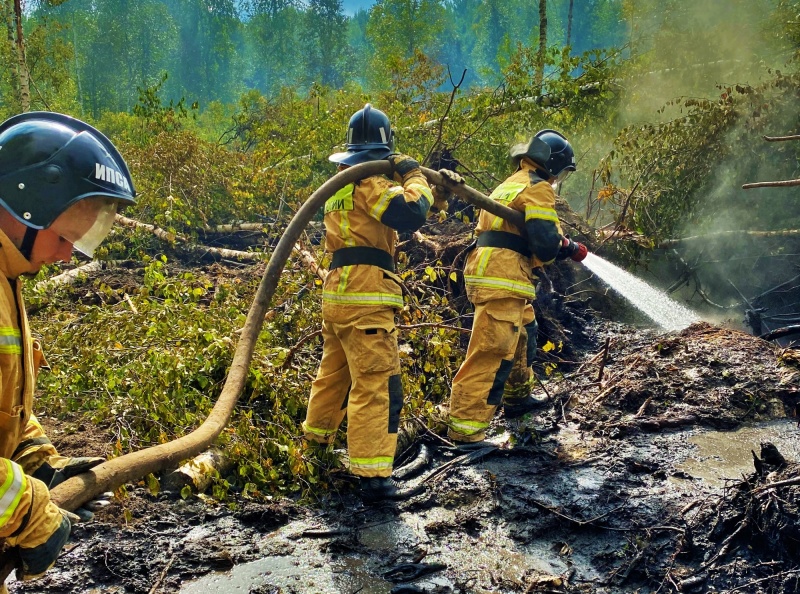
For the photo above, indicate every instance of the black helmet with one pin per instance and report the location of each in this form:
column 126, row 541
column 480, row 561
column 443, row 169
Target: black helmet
column 49, row 162
column 551, row 150
column 369, row 137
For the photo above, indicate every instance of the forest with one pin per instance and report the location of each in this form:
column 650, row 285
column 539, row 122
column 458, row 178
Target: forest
column 684, row 119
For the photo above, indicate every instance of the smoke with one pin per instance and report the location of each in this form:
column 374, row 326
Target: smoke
column 721, row 51
column 685, row 48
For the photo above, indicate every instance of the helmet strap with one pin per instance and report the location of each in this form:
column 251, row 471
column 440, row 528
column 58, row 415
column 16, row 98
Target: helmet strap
column 27, row 242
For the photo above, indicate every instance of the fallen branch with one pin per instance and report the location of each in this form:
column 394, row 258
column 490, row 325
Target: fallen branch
column 668, row 243
column 198, row 249
column 71, row 276
column 290, row 355
column 782, row 138
column 465, row 459
column 772, row 184
column 781, row 332
column 310, row 261
column 778, row 484
column 237, row 227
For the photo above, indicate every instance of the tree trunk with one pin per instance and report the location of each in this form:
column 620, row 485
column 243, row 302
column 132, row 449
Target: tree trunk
column 22, row 68
column 569, row 23
column 540, row 56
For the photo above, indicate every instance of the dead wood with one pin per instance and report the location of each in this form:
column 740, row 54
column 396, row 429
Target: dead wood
column 772, row 184
column 668, row 243
column 196, row 249
column 71, row 276
column 782, row 138
column 781, row 332
column 311, row 262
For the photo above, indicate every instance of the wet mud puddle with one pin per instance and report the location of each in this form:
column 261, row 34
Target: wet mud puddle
column 722, row 456
column 510, row 518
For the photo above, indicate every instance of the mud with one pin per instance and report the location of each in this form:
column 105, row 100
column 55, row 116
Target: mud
column 644, row 481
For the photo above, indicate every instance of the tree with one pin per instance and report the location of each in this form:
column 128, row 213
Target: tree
column 400, row 29
column 326, row 52
column 541, row 54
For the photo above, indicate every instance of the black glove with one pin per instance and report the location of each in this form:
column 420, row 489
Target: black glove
column 402, row 165
column 37, row 560
column 55, row 476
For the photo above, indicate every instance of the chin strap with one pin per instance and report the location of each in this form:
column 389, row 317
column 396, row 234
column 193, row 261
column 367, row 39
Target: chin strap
column 27, row 242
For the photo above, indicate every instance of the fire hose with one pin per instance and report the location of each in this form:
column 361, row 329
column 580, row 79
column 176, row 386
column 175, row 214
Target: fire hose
column 134, row 466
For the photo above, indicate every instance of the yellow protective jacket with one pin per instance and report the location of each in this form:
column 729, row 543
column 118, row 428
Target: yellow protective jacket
column 27, row 516
column 500, row 272
column 368, row 214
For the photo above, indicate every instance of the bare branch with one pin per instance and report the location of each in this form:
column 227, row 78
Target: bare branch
column 781, row 138
column 772, row 184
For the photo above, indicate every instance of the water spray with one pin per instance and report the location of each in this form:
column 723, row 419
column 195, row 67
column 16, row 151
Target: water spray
column 655, row 304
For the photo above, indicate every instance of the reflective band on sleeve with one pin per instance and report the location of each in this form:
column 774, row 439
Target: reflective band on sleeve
column 10, row 341
column 492, row 282
column 424, row 190
column 388, row 299
column 11, row 491
column 534, row 212
column 383, row 202
column 378, row 463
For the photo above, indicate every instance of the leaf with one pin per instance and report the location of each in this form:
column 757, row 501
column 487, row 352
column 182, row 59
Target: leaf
column 453, row 277
column 548, row 346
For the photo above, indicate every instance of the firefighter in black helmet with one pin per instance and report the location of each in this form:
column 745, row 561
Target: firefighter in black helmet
column 61, row 183
column 499, row 283
column 359, row 374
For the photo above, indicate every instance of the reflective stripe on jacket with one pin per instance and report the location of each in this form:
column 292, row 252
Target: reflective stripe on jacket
column 369, row 213
column 496, row 273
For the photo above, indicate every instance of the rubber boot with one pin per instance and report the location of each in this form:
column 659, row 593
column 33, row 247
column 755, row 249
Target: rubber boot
column 521, row 406
column 383, row 488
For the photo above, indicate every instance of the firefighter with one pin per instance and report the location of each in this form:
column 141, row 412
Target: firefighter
column 359, row 374
column 61, row 182
column 499, row 282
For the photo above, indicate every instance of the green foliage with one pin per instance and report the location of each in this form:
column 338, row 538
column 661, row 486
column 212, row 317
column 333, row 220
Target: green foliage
column 273, row 85
column 156, row 116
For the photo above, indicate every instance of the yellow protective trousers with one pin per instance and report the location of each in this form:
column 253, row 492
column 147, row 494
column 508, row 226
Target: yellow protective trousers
column 359, row 376
column 491, row 355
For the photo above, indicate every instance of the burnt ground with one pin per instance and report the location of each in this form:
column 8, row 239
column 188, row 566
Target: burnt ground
column 592, row 495
column 589, row 496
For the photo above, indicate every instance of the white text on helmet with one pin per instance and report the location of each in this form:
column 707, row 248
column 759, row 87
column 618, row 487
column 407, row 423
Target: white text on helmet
column 111, row 175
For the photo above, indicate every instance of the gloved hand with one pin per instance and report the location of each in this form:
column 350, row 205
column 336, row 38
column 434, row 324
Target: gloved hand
column 572, row 249
column 442, row 194
column 451, row 176
column 402, row 165
column 55, row 476
column 35, row 561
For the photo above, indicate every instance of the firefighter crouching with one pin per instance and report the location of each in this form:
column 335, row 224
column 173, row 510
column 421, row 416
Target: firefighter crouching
column 61, row 183
column 499, row 283
column 359, row 374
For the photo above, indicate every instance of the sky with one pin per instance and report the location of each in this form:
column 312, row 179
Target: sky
column 351, row 6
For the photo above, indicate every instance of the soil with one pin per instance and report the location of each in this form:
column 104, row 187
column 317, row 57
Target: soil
column 595, row 493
